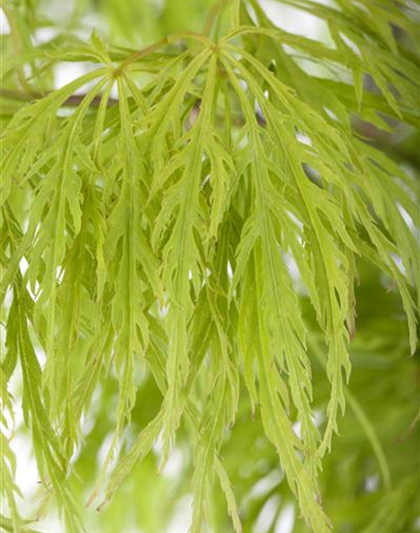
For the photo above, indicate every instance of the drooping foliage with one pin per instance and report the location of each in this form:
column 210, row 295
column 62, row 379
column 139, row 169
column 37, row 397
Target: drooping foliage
column 188, row 220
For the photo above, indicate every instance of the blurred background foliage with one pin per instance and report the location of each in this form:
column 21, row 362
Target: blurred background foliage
column 370, row 481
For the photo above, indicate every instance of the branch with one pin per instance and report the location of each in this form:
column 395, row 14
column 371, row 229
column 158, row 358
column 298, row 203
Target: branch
column 73, row 101
column 372, row 135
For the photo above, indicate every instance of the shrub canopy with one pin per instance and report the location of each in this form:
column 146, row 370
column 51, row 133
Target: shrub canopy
column 188, row 231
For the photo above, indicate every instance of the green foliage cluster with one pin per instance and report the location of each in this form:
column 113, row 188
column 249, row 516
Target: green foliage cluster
column 183, row 228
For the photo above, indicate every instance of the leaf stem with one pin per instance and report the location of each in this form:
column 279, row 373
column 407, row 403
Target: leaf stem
column 165, row 42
